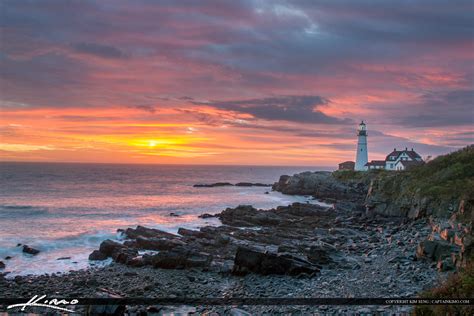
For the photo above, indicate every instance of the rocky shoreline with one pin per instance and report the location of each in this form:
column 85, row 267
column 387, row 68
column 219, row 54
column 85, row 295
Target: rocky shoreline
column 334, row 254
column 300, row 250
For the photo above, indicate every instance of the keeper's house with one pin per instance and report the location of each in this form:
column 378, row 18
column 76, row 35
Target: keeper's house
column 397, row 160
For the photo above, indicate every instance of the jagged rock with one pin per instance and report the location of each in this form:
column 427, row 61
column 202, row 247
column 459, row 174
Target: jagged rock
column 191, row 233
column 445, row 265
column 321, row 253
column 211, row 185
column 320, row 184
column 206, row 215
column 248, row 260
column 142, row 231
column 153, row 243
column 30, row 250
column 97, row 255
column 109, row 247
column 137, row 261
column 180, row 259
column 124, row 255
column 435, row 249
column 249, row 184
column 2, row 265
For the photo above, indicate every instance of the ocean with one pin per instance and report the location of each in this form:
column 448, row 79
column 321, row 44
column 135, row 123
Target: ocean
column 68, row 209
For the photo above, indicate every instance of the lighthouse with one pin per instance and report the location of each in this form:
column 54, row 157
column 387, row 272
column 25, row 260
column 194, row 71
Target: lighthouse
column 361, row 155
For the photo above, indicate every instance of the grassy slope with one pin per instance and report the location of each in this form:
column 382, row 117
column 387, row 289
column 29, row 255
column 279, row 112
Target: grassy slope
column 444, row 181
column 459, row 285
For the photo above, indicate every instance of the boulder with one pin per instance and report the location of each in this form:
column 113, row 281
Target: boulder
column 142, row 231
column 206, row 215
column 96, row 255
column 124, row 255
column 30, row 250
column 153, row 243
column 137, row 261
column 247, row 215
column 435, row 249
column 109, row 247
column 180, row 259
column 321, row 253
column 2, row 265
column 249, row 260
column 191, row 233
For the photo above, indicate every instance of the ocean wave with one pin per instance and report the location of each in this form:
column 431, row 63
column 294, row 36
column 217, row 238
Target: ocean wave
column 8, row 211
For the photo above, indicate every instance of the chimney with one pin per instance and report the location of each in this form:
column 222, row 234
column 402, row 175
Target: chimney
column 406, row 148
column 412, row 149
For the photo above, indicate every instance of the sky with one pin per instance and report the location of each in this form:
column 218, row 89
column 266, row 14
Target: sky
column 233, row 82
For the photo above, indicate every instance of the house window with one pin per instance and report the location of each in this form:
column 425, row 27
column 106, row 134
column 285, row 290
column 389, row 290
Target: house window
column 391, row 165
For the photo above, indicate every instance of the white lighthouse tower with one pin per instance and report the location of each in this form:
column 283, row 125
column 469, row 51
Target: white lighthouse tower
column 361, row 155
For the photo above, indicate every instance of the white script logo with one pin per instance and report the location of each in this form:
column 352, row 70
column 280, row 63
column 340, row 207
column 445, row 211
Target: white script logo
column 39, row 301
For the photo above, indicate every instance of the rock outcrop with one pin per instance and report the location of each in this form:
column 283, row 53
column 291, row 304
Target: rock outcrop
column 321, row 185
column 225, row 184
column 30, row 250
column 248, row 260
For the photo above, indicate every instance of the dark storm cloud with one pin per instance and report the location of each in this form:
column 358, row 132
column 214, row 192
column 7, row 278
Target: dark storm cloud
column 301, row 109
column 215, row 49
column 99, row 50
column 441, row 109
column 146, row 108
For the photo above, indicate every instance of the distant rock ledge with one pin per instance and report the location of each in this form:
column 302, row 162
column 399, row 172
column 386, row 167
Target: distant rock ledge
column 224, row 184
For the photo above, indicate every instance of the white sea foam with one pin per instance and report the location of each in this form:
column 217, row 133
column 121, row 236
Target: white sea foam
column 67, row 210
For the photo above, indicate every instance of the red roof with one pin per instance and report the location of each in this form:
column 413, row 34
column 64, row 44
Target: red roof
column 411, row 153
column 376, row 163
column 350, row 164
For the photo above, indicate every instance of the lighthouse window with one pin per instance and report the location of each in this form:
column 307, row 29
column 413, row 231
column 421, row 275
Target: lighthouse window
column 361, row 149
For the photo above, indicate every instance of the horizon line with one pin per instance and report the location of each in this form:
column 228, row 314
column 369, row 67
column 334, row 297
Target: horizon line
column 161, row 164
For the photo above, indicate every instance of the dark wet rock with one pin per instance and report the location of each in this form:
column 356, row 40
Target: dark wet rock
column 191, row 233
column 2, row 265
column 445, row 264
column 206, row 215
column 249, row 184
column 137, row 261
column 320, row 184
column 153, row 243
column 97, row 255
column 30, row 250
column 246, row 215
column 435, row 249
column 142, row 231
column 211, row 185
column 180, row 259
column 249, row 260
column 63, row 258
column 8, row 257
column 109, row 247
column 124, row 255
column 174, row 214
column 321, row 253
